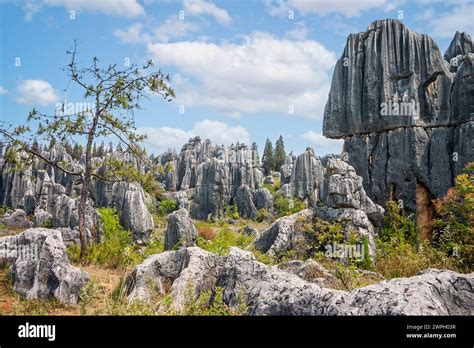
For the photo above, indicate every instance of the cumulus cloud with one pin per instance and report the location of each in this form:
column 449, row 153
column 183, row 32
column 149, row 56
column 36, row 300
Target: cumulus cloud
column 201, row 7
column 261, row 74
column 347, row 8
column 299, row 32
column 323, row 145
column 162, row 138
column 34, row 92
column 445, row 25
column 172, row 28
column 120, row 8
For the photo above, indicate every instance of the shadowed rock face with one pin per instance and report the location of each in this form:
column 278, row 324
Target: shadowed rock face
column 268, row 290
column 414, row 155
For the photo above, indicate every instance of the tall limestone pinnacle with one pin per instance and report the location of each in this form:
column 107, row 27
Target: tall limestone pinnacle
column 406, row 113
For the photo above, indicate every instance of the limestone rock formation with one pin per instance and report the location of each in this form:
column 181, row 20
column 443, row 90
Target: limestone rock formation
column 283, row 234
column 244, row 202
column 40, row 267
column 269, row 290
column 180, row 230
column 16, row 219
column 183, row 270
column 129, row 201
column 407, row 121
column 210, row 175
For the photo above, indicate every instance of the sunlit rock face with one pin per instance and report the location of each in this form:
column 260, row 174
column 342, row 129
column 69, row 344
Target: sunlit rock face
column 405, row 112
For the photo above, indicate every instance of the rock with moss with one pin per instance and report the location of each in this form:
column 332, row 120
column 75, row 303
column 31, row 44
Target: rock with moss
column 180, row 231
column 40, row 268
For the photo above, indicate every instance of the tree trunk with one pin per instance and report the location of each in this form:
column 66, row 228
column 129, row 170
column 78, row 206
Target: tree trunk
column 86, row 182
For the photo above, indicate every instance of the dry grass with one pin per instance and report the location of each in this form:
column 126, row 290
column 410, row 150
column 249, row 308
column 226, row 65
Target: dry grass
column 207, row 233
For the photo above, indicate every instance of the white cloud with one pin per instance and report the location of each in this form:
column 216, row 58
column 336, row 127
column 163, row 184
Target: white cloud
column 36, row 92
column 120, row 8
column 31, row 8
column 262, row 74
column 323, row 145
column 460, row 18
column 2, row 90
column 163, row 138
column 322, row 8
column 299, row 32
column 131, row 34
column 201, row 7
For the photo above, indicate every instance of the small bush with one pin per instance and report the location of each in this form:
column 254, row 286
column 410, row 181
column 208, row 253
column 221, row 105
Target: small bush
column 262, row 215
column 222, row 242
column 287, row 206
column 206, row 232
column 454, row 225
column 167, row 206
column 115, row 250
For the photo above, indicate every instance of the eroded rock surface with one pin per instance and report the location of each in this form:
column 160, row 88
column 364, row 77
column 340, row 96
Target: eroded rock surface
column 40, row 268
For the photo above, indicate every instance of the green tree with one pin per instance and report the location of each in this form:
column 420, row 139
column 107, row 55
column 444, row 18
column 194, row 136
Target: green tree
column 280, row 154
column 268, row 162
column 115, row 94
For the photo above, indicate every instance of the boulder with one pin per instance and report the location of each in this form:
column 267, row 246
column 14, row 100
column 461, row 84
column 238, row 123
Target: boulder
column 186, row 272
column 264, row 199
column 244, row 202
column 40, row 268
column 269, row 290
column 16, row 219
column 180, row 231
column 283, row 234
column 42, row 218
column 129, row 201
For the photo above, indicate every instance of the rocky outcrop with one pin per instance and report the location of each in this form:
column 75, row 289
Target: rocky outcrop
column 405, row 118
column 210, row 175
column 283, row 234
column 244, row 202
column 180, row 231
column 460, row 45
column 268, row 290
column 185, row 272
column 16, row 219
column 40, row 268
column 263, row 199
column 330, row 181
column 129, row 201
column 53, row 196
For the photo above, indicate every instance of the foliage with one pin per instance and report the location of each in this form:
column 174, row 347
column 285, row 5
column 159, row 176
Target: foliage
column 454, row 225
column 262, row 215
column 230, row 211
column 225, row 239
column 167, row 206
column 399, row 228
column 286, row 206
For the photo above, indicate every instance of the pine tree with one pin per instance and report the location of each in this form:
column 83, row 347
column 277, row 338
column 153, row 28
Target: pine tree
column 267, row 159
column 280, row 154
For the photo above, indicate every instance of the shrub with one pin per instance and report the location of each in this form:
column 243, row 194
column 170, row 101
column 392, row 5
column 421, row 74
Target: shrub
column 262, row 215
column 286, row 206
column 222, row 242
column 454, row 225
column 167, row 206
column 151, row 185
column 230, row 211
column 206, row 232
column 115, row 250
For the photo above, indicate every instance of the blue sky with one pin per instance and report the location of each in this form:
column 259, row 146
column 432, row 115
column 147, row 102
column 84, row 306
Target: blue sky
column 242, row 70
